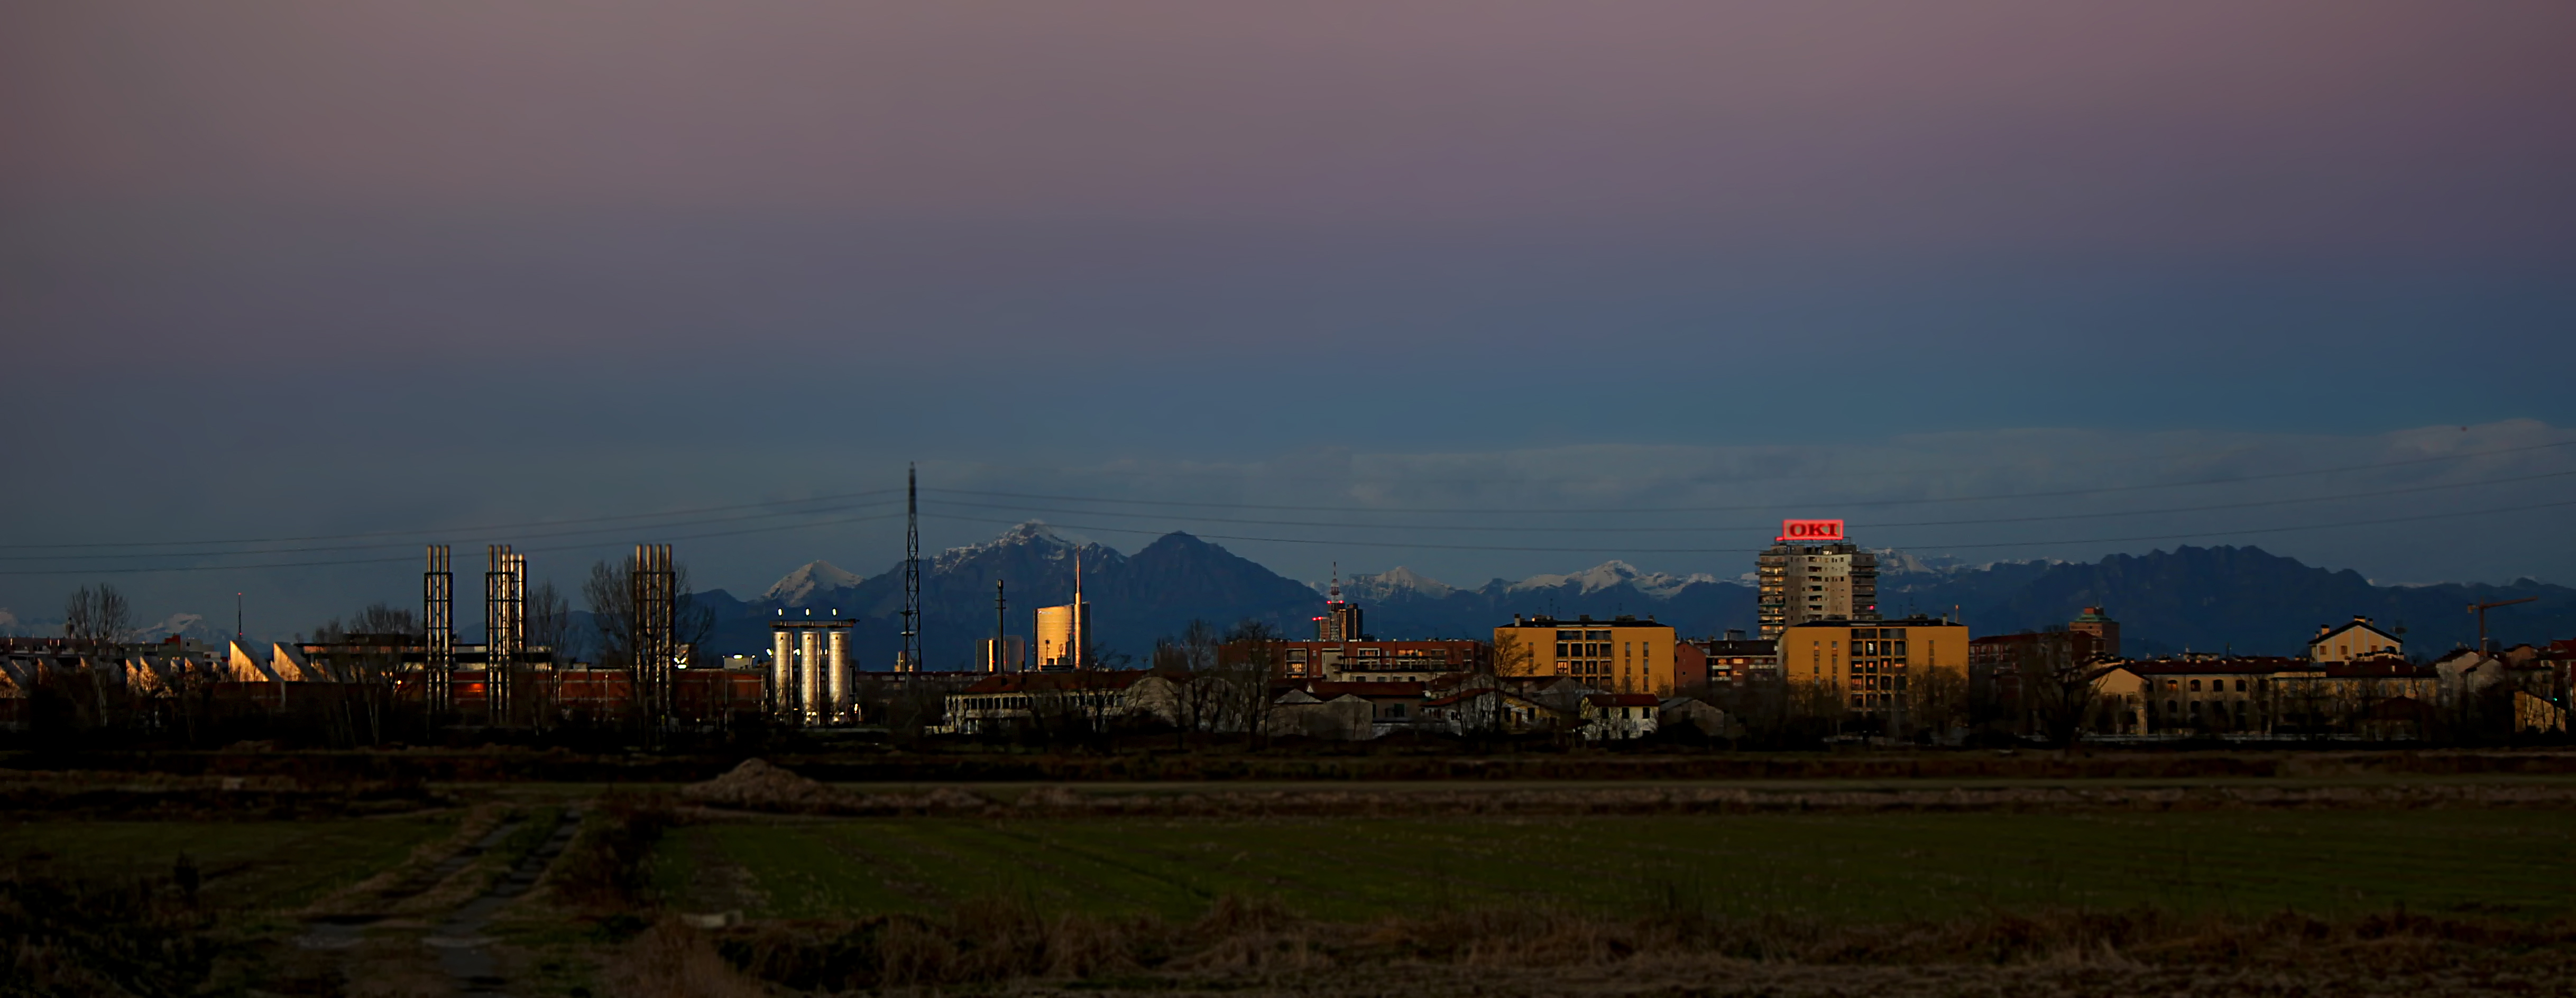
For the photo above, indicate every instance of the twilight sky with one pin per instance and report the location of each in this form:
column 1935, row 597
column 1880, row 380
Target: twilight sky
column 306, row 269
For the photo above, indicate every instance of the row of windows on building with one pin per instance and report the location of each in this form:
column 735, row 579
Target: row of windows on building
column 1298, row 655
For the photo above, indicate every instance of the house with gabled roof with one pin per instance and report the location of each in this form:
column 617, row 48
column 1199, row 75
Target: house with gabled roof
column 2353, row 641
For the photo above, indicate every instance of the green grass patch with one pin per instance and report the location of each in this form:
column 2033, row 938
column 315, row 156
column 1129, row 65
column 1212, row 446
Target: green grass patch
column 1839, row 867
column 243, row 864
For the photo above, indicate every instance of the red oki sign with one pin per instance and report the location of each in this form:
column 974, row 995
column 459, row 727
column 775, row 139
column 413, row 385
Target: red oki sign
column 1811, row 530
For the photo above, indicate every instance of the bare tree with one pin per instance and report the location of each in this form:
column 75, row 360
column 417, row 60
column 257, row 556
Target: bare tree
column 1939, row 699
column 1760, row 702
column 1512, row 656
column 366, row 654
column 1251, row 670
column 97, row 618
column 611, row 598
column 1813, row 707
column 2057, row 689
column 618, row 625
column 1199, row 696
column 549, row 619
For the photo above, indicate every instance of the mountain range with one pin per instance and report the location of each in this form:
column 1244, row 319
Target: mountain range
column 2218, row 598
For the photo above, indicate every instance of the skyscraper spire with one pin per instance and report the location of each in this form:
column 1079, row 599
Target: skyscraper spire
column 1341, row 619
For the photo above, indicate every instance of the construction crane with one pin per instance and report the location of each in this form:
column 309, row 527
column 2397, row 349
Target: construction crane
column 2481, row 610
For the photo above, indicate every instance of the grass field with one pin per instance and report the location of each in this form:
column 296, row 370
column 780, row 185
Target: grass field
column 1851, row 868
column 244, row 864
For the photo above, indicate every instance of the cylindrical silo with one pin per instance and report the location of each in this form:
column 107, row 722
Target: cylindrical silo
column 782, row 672
column 810, row 674
column 836, row 672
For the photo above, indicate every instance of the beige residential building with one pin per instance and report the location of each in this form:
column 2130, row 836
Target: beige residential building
column 1804, row 582
column 1619, row 655
column 2383, row 697
column 2354, row 641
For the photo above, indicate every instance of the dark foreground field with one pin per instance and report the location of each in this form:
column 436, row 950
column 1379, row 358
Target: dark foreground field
column 764, row 883
column 1837, row 868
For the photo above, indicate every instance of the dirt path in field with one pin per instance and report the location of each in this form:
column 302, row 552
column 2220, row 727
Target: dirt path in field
column 464, row 953
column 342, row 924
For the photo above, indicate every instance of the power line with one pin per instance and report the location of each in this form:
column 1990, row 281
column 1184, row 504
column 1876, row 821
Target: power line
column 1646, row 550
column 453, row 531
column 1523, row 480
column 370, row 547
column 1452, row 528
column 2101, row 490
column 406, row 558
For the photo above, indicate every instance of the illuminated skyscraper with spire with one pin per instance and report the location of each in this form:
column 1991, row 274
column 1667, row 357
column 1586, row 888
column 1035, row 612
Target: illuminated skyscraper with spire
column 1341, row 619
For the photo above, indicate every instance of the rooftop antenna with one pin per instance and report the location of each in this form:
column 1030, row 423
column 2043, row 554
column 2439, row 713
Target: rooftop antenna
column 911, row 570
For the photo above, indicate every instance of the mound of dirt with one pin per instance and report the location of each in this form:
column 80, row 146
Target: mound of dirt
column 758, row 786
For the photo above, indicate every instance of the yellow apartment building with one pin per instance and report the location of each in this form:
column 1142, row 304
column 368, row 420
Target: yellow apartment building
column 1619, row 655
column 1872, row 663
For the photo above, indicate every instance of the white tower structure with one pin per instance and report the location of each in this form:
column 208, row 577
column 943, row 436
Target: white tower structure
column 836, row 672
column 809, row 686
column 782, row 669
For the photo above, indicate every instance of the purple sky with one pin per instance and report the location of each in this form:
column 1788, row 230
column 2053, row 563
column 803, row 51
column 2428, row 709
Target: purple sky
column 305, row 261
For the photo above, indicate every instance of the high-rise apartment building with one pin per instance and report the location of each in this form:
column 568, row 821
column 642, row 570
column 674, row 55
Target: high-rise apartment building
column 1813, row 573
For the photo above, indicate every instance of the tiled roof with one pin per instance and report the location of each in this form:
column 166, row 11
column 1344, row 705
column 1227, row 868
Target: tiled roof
column 1055, row 682
column 1374, row 691
column 2230, row 666
column 2378, row 668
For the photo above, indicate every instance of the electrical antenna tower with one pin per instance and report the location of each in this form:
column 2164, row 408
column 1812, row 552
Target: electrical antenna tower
column 911, row 660
column 505, row 629
column 654, row 584
column 1001, row 628
column 438, row 614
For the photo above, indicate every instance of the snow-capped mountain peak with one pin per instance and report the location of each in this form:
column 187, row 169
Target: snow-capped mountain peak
column 1391, row 582
column 181, row 625
column 1031, row 534
column 1611, row 574
column 813, row 578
